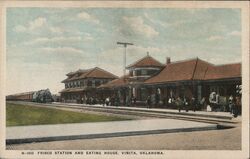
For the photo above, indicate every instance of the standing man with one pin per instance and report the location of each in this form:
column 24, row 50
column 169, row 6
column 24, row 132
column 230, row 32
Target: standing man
column 148, row 101
column 179, row 103
column 237, row 105
column 186, row 103
column 231, row 103
column 212, row 100
column 193, row 103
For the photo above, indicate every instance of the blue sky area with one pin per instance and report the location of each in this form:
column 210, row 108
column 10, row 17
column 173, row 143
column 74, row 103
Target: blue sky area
column 43, row 44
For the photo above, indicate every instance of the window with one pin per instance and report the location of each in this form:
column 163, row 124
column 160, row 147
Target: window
column 138, row 72
column 81, row 84
column 134, row 73
column 97, row 83
column 104, row 81
column 150, row 72
column 143, row 72
column 89, row 83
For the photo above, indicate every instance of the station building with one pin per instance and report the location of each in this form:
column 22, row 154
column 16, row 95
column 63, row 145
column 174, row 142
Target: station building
column 147, row 77
column 188, row 78
column 82, row 84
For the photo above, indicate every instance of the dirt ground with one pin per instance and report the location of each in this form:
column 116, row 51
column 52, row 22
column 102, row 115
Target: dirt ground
column 224, row 139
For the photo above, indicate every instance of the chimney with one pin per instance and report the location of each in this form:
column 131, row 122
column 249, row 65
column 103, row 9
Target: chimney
column 168, row 60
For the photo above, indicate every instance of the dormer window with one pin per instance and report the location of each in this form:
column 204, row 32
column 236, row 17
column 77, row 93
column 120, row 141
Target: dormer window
column 134, row 73
column 138, row 72
column 143, row 72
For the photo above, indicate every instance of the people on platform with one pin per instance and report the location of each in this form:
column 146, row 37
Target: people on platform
column 157, row 98
column 203, row 103
column 236, row 109
column 133, row 100
column 171, row 101
column 231, row 104
column 193, row 103
column 107, row 101
column 148, row 101
column 214, row 100
column 186, row 103
column 103, row 101
column 179, row 103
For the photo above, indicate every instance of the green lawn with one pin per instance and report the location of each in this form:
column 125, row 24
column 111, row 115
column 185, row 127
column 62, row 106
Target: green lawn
column 31, row 115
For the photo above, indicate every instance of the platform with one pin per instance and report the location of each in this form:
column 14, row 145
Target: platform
column 42, row 133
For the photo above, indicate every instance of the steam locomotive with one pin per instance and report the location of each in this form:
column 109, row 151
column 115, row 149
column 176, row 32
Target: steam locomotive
column 42, row 96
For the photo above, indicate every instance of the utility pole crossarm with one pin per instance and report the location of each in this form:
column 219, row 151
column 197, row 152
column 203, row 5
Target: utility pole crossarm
column 124, row 43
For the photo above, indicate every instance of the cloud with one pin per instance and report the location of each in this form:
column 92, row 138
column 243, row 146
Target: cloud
column 157, row 22
column 87, row 17
column 176, row 23
column 235, row 33
column 37, row 23
column 215, row 37
column 62, row 50
column 88, row 38
column 41, row 79
column 32, row 25
column 57, row 30
column 59, row 39
column 20, row 28
column 137, row 26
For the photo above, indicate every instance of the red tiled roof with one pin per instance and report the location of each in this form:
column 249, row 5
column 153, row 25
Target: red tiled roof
column 224, row 71
column 201, row 69
column 176, row 71
column 90, row 73
column 195, row 69
column 116, row 82
column 147, row 61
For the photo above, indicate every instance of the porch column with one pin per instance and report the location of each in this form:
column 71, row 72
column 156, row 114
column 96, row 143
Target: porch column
column 199, row 93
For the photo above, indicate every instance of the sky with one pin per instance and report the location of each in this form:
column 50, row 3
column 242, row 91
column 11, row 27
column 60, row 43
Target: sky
column 44, row 44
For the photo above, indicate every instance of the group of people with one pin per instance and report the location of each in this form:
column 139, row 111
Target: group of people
column 153, row 99
column 234, row 104
column 181, row 103
column 186, row 104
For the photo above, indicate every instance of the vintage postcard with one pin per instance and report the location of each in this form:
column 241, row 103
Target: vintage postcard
column 124, row 79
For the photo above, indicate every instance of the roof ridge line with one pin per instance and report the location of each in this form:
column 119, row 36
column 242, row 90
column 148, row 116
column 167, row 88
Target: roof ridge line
column 228, row 64
column 106, row 71
column 195, row 66
column 90, row 70
column 185, row 60
column 147, row 56
column 138, row 60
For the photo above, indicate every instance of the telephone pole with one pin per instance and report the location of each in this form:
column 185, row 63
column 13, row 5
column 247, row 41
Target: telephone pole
column 125, row 44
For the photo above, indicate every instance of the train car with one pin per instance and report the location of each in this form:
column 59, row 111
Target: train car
column 26, row 96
